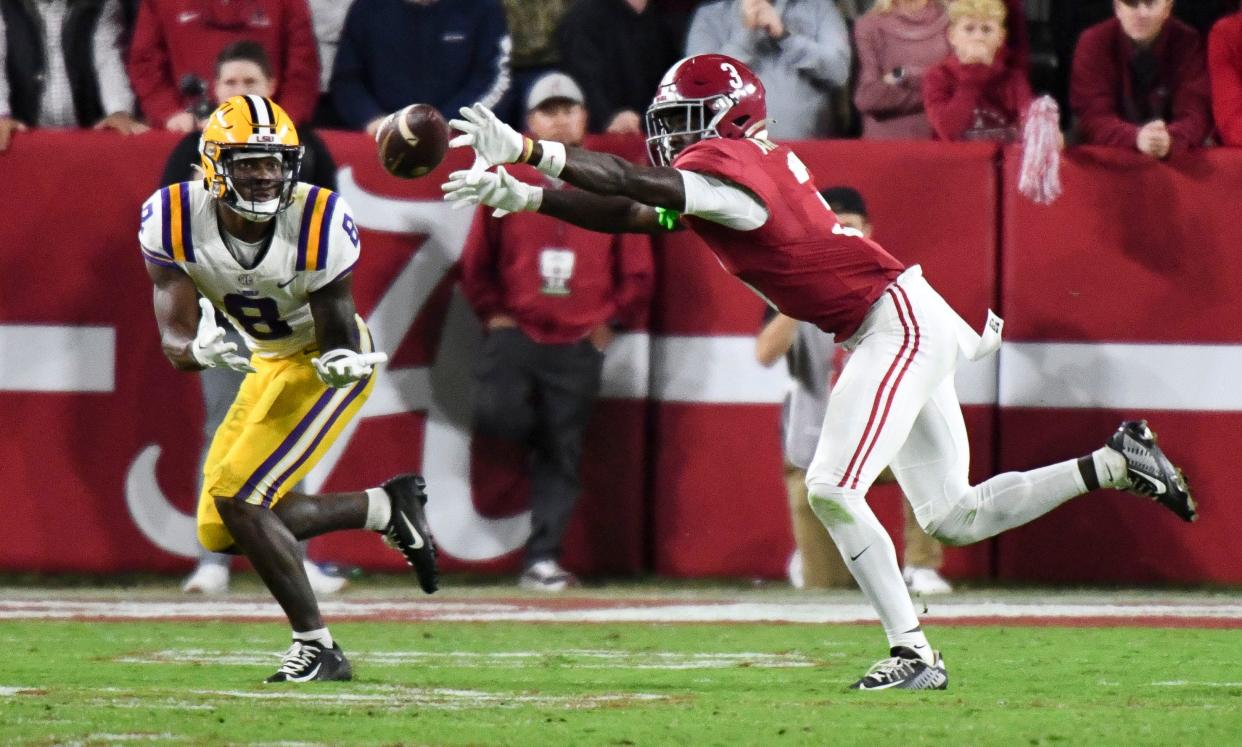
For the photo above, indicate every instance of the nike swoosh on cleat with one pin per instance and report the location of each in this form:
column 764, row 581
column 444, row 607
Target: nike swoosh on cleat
column 1157, row 484
column 860, row 552
column 418, row 538
column 309, row 676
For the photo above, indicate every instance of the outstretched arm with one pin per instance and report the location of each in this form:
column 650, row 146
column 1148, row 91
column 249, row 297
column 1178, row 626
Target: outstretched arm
column 598, row 213
column 497, row 143
column 500, row 190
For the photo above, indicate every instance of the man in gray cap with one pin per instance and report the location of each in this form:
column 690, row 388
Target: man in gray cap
column 556, row 109
column 550, row 296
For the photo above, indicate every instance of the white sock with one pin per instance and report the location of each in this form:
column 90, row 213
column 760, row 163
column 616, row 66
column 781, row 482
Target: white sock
column 1110, row 467
column 319, row 635
column 869, row 554
column 1005, row 501
column 379, row 510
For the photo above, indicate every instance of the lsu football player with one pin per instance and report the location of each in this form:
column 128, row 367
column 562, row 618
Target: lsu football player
column 275, row 255
column 755, row 205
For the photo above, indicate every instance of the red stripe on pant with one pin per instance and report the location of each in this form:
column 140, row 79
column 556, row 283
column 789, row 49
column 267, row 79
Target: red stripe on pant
column 896, row 382
column 879, row 395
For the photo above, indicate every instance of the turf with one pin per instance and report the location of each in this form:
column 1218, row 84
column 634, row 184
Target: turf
column 613, row 684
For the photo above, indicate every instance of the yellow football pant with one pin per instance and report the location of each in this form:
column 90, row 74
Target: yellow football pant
column 278, row 428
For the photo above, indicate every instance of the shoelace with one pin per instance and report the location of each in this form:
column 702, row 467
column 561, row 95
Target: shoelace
column 890, row 668
column 298, row 658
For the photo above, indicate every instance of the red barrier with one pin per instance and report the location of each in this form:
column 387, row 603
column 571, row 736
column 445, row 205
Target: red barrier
column 1134, row 253
column 685, row 481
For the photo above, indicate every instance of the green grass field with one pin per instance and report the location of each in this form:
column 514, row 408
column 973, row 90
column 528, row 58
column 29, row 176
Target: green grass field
column 523, row 683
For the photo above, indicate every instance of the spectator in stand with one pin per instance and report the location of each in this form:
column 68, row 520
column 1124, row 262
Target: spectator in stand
column 241, row 68
column 1140, row 81
column 975, row 93
column 1225, row 67
column 897, row 41
column 328, row 20
column 62, row 67
column 813, row 363
column 447, row 53
column 176, row 41
column 533, row 25
column 617, row 50
column 800, row 49
column 550, row 296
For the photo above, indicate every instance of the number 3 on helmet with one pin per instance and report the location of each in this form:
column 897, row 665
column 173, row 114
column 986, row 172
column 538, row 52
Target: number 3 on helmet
column 700, row 97
column 249, row 127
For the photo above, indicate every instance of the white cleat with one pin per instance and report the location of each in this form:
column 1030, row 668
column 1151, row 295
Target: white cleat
column 207, row 578
column 920, row 580
column 547, row 576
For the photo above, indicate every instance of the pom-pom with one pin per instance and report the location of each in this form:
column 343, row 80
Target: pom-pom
column 1039, row 178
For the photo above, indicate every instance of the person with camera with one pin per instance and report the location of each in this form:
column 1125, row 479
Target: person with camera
column 174, row 41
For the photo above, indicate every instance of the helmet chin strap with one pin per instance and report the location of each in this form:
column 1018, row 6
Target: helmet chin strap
column 264, row 212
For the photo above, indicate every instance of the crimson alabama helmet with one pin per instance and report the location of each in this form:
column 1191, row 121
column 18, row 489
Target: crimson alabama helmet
column 704, row 96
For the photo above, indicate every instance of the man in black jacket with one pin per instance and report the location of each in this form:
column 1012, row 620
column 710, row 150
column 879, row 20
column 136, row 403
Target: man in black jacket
column 85, row 85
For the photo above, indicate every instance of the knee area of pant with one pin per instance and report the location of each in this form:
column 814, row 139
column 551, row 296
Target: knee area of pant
column 833, row 505
column 214, row 537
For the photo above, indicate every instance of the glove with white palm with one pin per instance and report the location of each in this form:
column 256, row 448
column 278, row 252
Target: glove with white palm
column 499, row 190
column 209, row 348
column 496, row 142
column 342, row 367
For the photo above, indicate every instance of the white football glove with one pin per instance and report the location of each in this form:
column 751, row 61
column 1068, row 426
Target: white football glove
column 499, row 190
column 494, row 141
column 340, row 368
column 209, row 347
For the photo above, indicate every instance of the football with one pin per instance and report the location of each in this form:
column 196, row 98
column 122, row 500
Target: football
column 411, row 142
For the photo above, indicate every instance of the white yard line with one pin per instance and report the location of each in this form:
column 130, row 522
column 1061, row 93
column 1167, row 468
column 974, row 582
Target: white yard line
column 609, row 611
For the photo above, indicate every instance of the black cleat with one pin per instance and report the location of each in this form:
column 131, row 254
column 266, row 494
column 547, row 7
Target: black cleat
column 308, row 660
column 408, row 531
column 904, row 670
column 1150, row 472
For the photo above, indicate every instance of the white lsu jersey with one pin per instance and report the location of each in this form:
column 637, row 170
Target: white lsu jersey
column 315, row 242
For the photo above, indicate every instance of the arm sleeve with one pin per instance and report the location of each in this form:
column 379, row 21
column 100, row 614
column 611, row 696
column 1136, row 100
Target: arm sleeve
column 635, row 273
column 343, row 246
column 825, row 56
column 1225, row 65
column 872, row 95
column 1192, row 107
column 151, row 233
column 351, row 94
column 712, row 30
column 1092, row 82
column 114, row 90
column 299, row 78
column 489, row 74
column 480, row 263
column 719, row 201
column 150, row 69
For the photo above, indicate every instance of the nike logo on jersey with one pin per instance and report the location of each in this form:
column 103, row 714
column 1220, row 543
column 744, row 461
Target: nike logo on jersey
column 1156, row 484
column 418, row 538
column 290, row 280
column 860, row 552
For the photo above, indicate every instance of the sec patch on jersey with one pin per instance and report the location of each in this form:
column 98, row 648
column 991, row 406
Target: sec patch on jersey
column 412, row 142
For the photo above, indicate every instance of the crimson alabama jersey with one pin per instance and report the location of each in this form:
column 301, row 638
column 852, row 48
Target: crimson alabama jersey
column 801, row 259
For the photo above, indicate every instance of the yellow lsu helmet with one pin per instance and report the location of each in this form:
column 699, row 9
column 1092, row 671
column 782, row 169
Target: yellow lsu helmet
column 242, row 127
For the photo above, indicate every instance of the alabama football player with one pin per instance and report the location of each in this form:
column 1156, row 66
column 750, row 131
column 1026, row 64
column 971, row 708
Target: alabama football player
column 275, row 256
column 755, row 205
